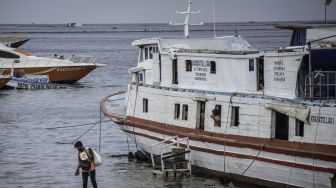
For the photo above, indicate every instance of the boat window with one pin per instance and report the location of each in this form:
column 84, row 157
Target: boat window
column 146, row 53
column 185, row 112
column 260, row 73
column 251, row 65
column 145, row 105
column 141, row 54
column 141, row 77
column 235, row 116
column 212, row 67
column 188, row 66
column 174, row 72
column 177, row 111
column 4, row 54
column 216, row 115
column 150, row 52
column 299, row 128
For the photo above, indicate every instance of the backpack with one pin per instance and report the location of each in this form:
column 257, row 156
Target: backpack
column 97, row 158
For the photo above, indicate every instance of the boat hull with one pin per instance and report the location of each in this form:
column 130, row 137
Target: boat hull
column 63, row 75
column 4, row 81
column 261, row 161
column 242, row 164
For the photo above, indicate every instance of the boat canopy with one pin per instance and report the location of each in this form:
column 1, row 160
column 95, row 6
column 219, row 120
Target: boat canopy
column 233, row 44
column 295, row 112
column 303, row 33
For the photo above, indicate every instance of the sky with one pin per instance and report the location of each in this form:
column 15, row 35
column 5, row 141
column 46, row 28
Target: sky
column 160, row 11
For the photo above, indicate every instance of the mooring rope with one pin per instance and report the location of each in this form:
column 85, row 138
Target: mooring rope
column 136, row 97
column 119, row 155
column 227, row 124
column 79, row 125
column 290, row 174
column 100, row 126
column 86, row 132
column 127, row 143
column 319, row 114
column 256, row 157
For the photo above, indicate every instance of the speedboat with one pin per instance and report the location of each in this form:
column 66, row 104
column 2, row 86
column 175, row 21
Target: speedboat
column 58, row 69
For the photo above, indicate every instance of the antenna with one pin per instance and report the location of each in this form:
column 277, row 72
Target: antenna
column 187, row 19
column 214, row 18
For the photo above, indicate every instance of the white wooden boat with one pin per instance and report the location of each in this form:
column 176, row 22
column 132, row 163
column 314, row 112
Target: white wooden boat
column 263, row 118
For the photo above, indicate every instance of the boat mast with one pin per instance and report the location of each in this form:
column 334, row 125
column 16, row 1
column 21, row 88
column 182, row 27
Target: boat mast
column 187, row 19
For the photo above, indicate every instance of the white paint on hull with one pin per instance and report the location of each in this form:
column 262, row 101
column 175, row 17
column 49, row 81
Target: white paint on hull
column 258, row 169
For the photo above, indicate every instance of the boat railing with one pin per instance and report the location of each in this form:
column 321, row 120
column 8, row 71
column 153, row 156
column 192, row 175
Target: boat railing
column 4, row 70
column 171, row 150
column 81, row 59
column 58, row 61
column 322, row 87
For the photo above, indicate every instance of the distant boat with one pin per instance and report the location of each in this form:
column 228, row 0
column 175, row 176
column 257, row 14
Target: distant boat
column 74, row 24
column 59, row 69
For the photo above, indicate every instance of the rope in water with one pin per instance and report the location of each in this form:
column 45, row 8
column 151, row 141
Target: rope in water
column 119, row 155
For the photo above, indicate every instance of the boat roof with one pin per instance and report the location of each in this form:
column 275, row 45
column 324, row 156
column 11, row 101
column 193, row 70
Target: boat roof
column 216, row 45
column 2, row 46
column 293, row 26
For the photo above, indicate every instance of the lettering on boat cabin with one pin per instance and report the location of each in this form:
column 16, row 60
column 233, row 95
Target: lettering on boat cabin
column 200, row 68
column 64, row 69
column 322, row 119
column 279, row 71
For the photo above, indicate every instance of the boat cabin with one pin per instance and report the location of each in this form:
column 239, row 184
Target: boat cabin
column 227, row 64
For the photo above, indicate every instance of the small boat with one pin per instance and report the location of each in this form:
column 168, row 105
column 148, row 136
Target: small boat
column 74, row 24
column 59, row 69
column 34, row 82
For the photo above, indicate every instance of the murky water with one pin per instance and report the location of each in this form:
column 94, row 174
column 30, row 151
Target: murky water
column 34, row 155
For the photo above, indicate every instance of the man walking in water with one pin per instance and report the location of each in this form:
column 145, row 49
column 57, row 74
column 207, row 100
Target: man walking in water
column 86, row 163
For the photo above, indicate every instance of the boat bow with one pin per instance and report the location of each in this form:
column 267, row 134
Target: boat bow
column 113, row 106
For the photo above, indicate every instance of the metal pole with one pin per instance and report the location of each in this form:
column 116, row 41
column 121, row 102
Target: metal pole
column 325, row 13
column 327, row 87
column 310, row 73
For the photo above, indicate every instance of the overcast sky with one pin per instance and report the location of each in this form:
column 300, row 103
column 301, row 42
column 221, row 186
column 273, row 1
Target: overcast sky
column 160, row 11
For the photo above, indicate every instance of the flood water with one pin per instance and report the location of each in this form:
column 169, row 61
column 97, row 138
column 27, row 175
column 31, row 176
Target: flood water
column 35, row 153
